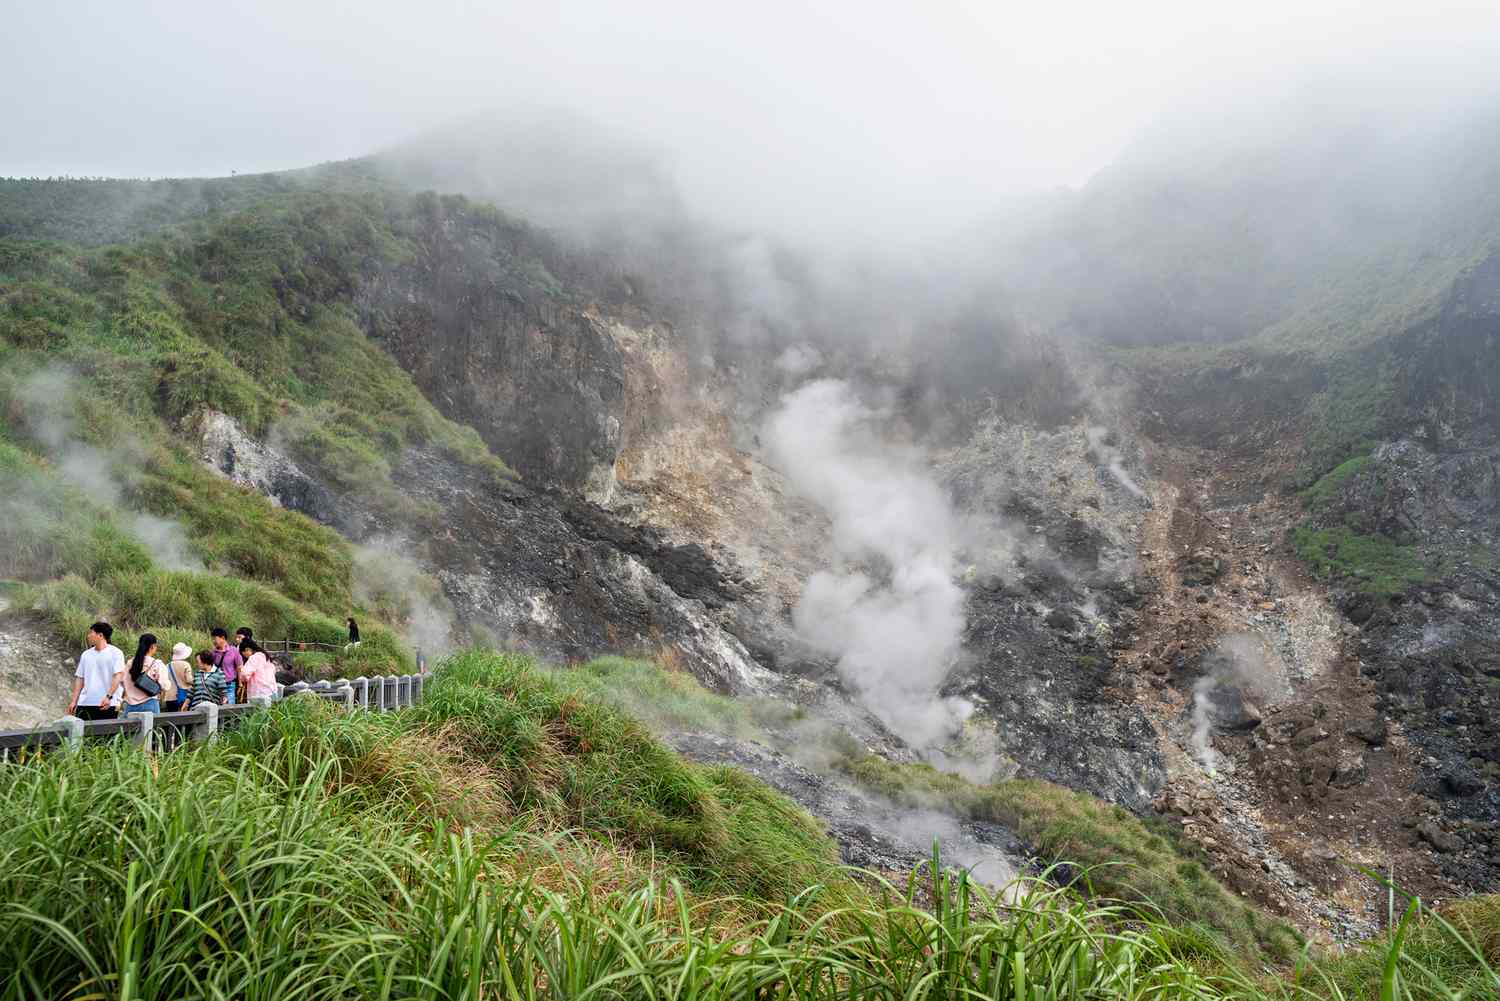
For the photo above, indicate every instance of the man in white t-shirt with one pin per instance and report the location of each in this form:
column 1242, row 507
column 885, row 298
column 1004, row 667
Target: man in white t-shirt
column 95, row 677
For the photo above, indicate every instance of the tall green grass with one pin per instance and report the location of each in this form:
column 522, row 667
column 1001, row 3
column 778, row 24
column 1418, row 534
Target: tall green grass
column 271, row 569
column 1127, row 859
column 312, row 855
column 1123, row 857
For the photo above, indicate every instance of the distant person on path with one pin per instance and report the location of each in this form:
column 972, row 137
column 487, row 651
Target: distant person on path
column 240, row 636
column 180, row 674
column 227, row 659
column 353, row 633
column 258, row 674
column 209, row 686
column 144, row 681
column 93, row 681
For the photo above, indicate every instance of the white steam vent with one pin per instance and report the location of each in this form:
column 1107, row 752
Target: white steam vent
column 889, row 609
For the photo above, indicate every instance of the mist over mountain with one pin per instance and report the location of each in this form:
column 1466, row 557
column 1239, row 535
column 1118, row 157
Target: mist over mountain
column 1152, row 478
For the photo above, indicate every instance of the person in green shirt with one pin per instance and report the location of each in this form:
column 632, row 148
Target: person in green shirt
column 209, row 683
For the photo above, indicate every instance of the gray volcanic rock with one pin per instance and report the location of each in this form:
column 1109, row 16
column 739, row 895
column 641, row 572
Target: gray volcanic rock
column 1050, row 707
column 501, row 350
column 228, row 449
column 36, row 671
column 872, row 833
column 1434, row 650
column 516, row 567
column 1231, row 709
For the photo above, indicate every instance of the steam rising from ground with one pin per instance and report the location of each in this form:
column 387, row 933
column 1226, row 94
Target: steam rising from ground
column 389, row 581
column 46, row 399
column 1237, row 661
column 1101, row 442
column 889, row 611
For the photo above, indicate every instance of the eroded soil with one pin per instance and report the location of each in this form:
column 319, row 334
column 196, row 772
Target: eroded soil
column 1304, row 783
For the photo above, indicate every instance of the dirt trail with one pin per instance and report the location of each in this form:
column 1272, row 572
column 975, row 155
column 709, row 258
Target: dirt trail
column 1305, row 783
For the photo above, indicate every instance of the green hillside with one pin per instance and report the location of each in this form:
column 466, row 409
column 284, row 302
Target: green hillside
column 108, row 352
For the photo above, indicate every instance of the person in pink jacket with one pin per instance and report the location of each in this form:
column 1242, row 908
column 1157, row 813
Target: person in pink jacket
column 258, row 673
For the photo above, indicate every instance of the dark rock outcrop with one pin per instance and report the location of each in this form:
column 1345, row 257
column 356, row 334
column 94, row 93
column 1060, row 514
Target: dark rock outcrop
column 1231, row 709
column 497, row 346
column 516, row 567
column 1050, row 705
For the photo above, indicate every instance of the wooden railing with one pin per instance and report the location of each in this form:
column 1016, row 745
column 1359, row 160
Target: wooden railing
column 168, row 731
column 289, row 647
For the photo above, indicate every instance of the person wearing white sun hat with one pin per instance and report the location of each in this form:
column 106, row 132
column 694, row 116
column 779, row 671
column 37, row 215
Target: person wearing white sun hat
column 180, row 681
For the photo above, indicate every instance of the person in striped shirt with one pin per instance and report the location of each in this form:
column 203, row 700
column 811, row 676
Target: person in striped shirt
column 209, row 683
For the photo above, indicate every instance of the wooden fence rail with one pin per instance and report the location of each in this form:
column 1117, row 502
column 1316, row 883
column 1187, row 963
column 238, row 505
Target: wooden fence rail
column 168, row 731
column 290, row 647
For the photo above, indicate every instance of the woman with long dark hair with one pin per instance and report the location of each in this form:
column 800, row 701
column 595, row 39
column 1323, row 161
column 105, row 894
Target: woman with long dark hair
column 142, row 679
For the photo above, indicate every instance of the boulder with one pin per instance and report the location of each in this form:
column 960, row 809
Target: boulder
column 1372, row 730
column 1203, row 567
column 1308, row 736
column 1439, row 839
column 1061, row 620
column 1232, row 710
column 1460, row 781
column 1350, row 771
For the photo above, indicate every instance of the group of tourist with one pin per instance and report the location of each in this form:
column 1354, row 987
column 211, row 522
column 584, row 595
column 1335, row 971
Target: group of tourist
column 105, row 684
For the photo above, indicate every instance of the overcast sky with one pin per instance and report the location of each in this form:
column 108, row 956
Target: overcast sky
column 765, row 108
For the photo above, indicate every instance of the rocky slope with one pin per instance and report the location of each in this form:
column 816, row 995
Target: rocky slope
column 36, row 671
column 1115, row 576
column 1249, row 588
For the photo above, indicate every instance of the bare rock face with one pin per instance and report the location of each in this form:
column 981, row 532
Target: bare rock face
column 36, row 671
column 226, row 447
column 567, row 582
column 1432, row 650
column 540, row 379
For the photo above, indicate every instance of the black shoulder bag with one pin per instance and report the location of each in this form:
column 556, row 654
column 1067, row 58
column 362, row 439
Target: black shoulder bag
column 148, row 684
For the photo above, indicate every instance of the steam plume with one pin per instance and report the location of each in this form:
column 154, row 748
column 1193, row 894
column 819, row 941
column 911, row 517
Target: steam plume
column 1237, row 660
column 45, row 397
column 889, row 610
column 1106, row 453
column 389, row 581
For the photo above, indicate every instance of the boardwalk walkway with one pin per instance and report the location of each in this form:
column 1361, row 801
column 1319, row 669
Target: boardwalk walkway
column 167, row 731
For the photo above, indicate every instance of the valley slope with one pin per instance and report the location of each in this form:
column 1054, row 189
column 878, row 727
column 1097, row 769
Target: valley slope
column 1243, row 583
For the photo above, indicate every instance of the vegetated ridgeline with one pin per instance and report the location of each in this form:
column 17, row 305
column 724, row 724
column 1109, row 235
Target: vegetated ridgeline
column 514, row 836
column 269, row 386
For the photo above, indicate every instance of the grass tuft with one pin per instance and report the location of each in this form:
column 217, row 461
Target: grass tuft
column 1373, row 564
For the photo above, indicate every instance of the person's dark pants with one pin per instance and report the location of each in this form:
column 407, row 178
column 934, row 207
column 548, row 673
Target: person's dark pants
column 94, row 712
column 175, row 706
